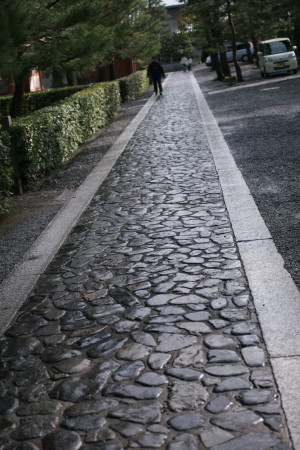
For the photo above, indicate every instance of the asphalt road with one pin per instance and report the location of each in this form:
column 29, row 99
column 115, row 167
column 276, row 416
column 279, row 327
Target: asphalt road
column 260, row 120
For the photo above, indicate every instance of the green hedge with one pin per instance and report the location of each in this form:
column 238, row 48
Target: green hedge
column 6, row 171
column 133, row 85
column 36, row 100
column 45, row 138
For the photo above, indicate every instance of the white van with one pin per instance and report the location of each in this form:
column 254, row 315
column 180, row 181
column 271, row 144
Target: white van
column 276, row 56
column 241, row 52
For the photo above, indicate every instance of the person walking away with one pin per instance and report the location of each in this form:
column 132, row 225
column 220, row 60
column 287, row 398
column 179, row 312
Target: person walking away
column 155, row 72
column 183, row 63
column 189, row 63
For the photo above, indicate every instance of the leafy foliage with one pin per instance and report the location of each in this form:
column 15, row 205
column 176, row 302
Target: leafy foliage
column 139, row 35
column 174, row 46
column 133, row 85
column 6, row 171
column 36, row 100
column 74, row 36
column 44, row 139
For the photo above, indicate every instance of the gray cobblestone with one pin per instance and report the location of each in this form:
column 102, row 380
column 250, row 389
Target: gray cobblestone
column 142, row 332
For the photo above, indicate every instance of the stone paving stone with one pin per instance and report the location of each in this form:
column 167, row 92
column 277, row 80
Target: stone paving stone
column 152, row 379
column 62, row 440
column 243, row 328
column 127, row 429
column 214, row 436
column 184, row 374
column 249, row 339
column 218, row 323
column 6, row 425
column 132, row 352
column 219, row 303
column 130, row 370
column 254, row 356
column 232, row 384
column 218, row 404
column 222, row 356
column 99, row 435
column 41, row 408
column 256, row 397
column 90, row 407
column 144, row 338
column 83, row 423
column 8, row 404
column 142, row 332
column 151, row 413
column 272, row 408
column 241, row 300
column 192, row 356
column 78, row 388
column 187, row 422
column 249, row 441
column 184, row 440
column 170, row 342
column 273, row 424
column 236, row 420
column 131, row 391
column 186, row 395
column 196, row 328
column 74, row 365
column 106, row 348
column 262, row 378
column 219, row 341
column 152, row 440
column 37, row 428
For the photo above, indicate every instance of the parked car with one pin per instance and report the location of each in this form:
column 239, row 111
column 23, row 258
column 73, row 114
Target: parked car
column 241, row 52
column 276, row 56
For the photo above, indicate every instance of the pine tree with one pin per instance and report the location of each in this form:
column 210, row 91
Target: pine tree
column 72, row 36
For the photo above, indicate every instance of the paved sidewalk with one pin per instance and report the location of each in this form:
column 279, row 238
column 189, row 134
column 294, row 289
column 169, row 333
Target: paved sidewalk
column 142, row 332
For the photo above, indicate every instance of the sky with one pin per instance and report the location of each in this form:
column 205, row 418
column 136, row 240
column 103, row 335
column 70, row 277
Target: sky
column 170, row 2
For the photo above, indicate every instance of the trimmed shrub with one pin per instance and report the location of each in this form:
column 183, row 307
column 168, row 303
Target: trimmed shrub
column 5, row 105
column 6, row 171
column 36, row 100
column 46, row 138
column 133, row 85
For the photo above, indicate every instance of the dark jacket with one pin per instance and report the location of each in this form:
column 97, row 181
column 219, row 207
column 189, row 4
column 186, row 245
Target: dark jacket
column 155, row 70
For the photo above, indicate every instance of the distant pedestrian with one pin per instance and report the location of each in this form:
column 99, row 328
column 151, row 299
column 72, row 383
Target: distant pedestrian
column 189, row 63
column 156, row 72
column 183, row 63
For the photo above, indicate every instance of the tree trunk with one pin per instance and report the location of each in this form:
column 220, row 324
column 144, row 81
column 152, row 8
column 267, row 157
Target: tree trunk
column 57, row 78
column 297, row 37
column 112, row 74
column 204, row 55
column 239, row 76
column 249, row 54
column 101, row 73
column 255, row 45
column 72, row 79
column 16, row 103
column 215, row 65
column 224, row 64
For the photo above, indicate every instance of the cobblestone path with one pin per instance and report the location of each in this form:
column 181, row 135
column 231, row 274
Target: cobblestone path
column 142, row 332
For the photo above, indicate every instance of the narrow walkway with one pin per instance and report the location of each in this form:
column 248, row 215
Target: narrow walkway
column 142, row 332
